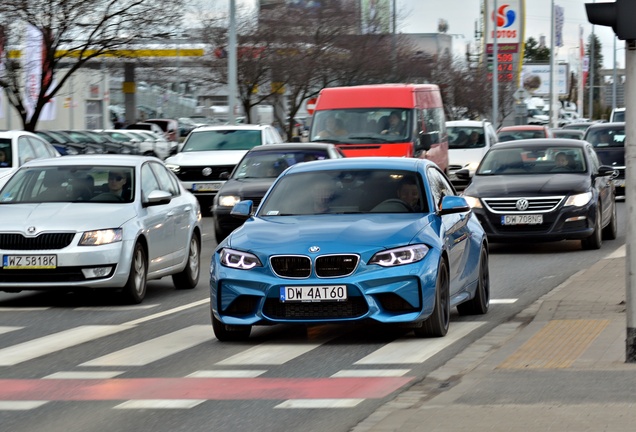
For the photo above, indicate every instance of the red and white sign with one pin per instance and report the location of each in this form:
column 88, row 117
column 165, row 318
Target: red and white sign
column 507, row 21
column 311, row 105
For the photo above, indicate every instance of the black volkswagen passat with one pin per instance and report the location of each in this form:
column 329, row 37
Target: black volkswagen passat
column 544, row 190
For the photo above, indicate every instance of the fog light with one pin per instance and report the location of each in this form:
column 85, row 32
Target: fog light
column 96, row 272
column 575, row 219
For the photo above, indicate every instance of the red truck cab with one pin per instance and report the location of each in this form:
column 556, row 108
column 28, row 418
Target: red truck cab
column 401, row 120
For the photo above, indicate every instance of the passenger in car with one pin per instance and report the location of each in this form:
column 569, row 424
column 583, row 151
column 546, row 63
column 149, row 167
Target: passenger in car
column 3, row 159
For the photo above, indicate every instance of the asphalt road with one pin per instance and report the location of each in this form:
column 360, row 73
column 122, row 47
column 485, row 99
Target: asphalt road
column 83, row 362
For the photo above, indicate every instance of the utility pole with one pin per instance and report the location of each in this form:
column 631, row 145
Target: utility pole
column 619, row 16
column 590, row 102
column 232, row 64
column 495, row 72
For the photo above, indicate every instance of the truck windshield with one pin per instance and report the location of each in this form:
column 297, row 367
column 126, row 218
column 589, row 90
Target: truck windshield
column 355, row 126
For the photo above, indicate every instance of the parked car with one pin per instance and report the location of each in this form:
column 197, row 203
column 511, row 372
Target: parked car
column 150, row 145
column 111, row 145
column 256, row 172
column 18, row 147
column 521, row 193
column 468, row 142
column 332, row 242
column 510, row 133
column 71, row 143
column 146, row 126
column 169, row 127
column 60, row 144
column 568, row 133
column 106, row 222
column 210, row 153
column 608, row 140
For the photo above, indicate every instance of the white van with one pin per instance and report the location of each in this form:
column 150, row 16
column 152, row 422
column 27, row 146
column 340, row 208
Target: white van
column 618, row 115
column 468, row 142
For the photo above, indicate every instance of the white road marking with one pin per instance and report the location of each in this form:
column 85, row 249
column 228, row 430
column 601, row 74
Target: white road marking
column 23, row 309
column 168, row 312
column 9, row 329
column 116, row 308
column 160, row 404
column 621, row 252
column 83, row 375
column 319, row 403
column 20, row 405
column 503, row 301
column 55, row 342
column 416, row 350
column 362, row 373
column 270, row 353
column 155, row 349
column 226, row 373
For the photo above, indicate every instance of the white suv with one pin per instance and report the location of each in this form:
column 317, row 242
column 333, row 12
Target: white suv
column 210, row 153
column 464, row 152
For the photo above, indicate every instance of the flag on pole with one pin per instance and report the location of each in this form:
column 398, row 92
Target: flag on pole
column 33, row 62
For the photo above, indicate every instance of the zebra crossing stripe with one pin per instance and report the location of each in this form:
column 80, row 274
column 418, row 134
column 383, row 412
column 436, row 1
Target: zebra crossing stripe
column 35, row 348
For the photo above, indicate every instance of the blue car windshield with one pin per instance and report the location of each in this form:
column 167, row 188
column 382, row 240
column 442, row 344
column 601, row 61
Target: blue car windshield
column 91, row 184
column 343, row 192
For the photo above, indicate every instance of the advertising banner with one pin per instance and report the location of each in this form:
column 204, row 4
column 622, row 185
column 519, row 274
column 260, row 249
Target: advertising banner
column 507, row 21
column 33, row 61
column 535, row 78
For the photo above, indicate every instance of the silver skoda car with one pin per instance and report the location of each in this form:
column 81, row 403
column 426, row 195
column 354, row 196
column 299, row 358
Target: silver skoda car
column 107, row 221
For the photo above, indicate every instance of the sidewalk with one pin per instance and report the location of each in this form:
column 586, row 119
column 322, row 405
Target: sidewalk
column 557, row 366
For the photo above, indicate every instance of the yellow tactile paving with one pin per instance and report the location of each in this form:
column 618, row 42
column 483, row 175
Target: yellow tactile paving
column 555, row 346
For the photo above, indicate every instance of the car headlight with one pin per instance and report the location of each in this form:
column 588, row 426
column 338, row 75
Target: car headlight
column 239, row 260
column 174, row 168
column 472, row 201
column 228, row 200
column 579, row 200
column 400, row 256
column 101, row 237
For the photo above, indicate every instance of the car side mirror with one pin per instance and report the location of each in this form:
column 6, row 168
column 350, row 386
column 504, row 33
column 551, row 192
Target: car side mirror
column 453, row 204
column 242, row 209
column 463, row 174
column 425, row 141
column 606, row 170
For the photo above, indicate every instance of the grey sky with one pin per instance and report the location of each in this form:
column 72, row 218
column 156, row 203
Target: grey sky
column 422, row 16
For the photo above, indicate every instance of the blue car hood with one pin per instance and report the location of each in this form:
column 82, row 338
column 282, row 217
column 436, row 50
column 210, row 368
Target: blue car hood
column 528, row 185
column 332, row 233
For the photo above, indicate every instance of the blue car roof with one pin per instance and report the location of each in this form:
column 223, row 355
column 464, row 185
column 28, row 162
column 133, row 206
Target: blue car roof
column 409, row 164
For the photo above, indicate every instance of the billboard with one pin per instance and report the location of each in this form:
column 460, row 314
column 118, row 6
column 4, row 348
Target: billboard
column 508, row 21
column 535, row 78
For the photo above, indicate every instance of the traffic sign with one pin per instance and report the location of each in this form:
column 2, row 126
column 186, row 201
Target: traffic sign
column 311, row 105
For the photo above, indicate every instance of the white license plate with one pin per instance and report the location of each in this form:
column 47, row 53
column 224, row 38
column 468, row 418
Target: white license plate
column 619, row 183
column 206, row 187
column 313, row 293
column 522, row 219
column 29, row 261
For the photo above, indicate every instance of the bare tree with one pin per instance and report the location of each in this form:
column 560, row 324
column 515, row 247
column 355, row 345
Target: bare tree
column 71, row 33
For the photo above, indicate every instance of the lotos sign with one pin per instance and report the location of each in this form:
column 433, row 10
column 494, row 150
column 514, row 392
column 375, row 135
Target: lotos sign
column 507, row 22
